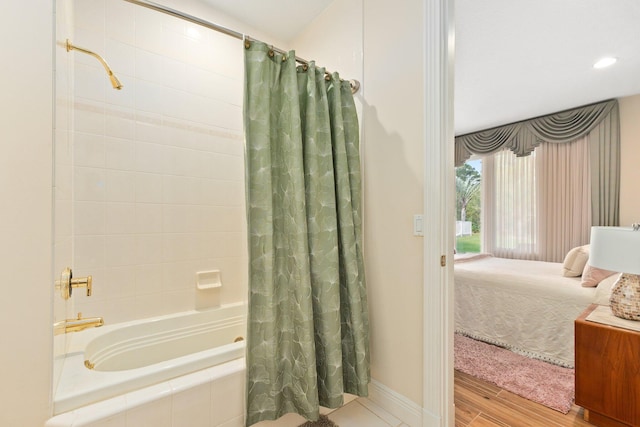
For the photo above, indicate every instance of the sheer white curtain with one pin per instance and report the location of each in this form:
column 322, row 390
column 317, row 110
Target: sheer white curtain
column 509, row 226
column 537, row 207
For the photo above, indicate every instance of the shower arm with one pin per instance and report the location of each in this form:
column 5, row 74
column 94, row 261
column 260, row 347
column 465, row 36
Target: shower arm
column 114, row 80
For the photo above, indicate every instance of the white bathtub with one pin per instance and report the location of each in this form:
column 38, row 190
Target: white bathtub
column 136, row 355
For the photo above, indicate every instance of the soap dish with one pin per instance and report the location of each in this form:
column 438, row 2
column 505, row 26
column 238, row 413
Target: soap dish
column 208, row 279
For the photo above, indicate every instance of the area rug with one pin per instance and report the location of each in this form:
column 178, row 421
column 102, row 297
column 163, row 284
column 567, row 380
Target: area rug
column 322, row 422
column 541, row 382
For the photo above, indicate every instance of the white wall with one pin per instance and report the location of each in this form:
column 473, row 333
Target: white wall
column 630, row 157
column 394, row 186
column 26, row 126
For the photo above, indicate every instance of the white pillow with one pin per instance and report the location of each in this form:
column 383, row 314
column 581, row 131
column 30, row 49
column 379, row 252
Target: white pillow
column 575, row 261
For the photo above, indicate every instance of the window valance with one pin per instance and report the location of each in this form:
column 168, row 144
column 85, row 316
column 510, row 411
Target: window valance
column 523, row 137
column 600, row 123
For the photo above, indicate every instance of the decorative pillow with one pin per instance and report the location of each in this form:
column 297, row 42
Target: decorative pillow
column 591, row 276
column 575, row 261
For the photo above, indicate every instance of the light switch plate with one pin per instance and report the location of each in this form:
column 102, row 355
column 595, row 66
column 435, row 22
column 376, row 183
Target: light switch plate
column 418, row 225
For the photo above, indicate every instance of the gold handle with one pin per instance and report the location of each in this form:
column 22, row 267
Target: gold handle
column 81, row 282
column 66, row 283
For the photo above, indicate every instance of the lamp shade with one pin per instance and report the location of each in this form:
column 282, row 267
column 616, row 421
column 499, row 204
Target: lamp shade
column 615, row 249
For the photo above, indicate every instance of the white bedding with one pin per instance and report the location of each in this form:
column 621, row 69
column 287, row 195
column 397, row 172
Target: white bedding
column 526, row 306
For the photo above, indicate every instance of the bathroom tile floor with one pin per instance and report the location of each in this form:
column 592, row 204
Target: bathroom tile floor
column 360, row 412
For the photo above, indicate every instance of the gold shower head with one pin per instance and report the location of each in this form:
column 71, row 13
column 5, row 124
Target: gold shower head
column 114, row 80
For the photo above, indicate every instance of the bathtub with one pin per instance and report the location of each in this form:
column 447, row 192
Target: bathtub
column 104, row 364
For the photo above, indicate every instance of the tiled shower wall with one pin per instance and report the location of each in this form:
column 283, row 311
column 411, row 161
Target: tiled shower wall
column 158, row 167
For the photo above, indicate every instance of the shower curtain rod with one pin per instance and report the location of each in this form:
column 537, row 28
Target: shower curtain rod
column 355, row 84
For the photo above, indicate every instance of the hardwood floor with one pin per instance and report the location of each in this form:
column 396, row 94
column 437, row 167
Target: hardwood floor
column 482, row 404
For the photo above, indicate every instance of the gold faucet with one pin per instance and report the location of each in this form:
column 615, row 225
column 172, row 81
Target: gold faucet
column 78, row 324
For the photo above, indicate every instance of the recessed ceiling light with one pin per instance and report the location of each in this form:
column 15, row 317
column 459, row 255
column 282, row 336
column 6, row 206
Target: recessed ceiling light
column 605, row 62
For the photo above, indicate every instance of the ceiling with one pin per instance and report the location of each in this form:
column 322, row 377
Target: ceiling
column 283, row 19
column 521, row 59
column 514, row 59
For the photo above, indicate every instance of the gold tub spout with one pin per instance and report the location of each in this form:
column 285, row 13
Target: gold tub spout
column 78, row 324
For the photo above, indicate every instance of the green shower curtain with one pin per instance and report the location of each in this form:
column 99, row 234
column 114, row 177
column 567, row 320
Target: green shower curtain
column 308, row 326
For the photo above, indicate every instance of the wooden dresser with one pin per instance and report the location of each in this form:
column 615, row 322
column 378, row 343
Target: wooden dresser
column 607, row 361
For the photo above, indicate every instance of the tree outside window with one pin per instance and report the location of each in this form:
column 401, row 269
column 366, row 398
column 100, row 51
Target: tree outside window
column 468, row 179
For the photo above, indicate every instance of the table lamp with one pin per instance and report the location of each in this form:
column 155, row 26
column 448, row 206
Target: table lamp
column 618, row 249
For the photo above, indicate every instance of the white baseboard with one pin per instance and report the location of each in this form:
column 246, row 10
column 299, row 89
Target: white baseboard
column 396, row 404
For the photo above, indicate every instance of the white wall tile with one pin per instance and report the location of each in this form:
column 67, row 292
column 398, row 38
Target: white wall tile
column 120, row 250
column 148, row 188
column 89, row 218
column 126, row 96
column 181, row 190
column 148, row 218
column 150, row 97
column 223, row 193
column 120, row 281
column 90, row 80
column 181, row 218
column 89, row 252
column 153, row 414
column 148, row 278
column 192, row 407
column 225, row 244
column 63, row 223
column 149, row 305
column 90, row 37
column 119, row 186
column 121, row 218
column 174, row 43
column 182, row 300
column 120, row 21
column 177, row 104
column 148, row 248
column 223, row 218
column 148, row 66
column 148, row 30
column 120, row 122
column 121, row 56
column 89, row 150
column 150, row 157
column 228, row 55
column 179, row 275
column 90, row 184
column 119, row 310
column 89, row 116
column 227, row 397
column 89, row 14
column 119, row 153
column 174, row 73
column 225, row 167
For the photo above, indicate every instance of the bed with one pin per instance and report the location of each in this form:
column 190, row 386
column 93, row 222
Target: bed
column 526, row 306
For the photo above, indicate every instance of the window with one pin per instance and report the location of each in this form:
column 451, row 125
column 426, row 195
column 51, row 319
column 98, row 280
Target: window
column 537, row 207
column 468, row 185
